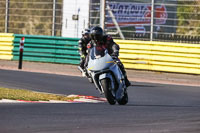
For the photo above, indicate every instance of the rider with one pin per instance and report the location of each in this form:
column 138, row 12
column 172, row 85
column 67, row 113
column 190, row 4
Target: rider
column 103, row 42
column 85, row 39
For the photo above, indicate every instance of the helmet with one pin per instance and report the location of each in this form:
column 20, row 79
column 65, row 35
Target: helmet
column 96, row 34
column 86, row 32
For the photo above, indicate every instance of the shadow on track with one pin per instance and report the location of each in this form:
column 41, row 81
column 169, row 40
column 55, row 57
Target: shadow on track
column 164, row 106
column 143, row 86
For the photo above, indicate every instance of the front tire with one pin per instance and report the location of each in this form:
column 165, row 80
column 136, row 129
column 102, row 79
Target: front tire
column 106, row 84
column 124, row 99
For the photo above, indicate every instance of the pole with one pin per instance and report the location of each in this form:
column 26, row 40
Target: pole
column 78, row 22
column 54, row 18
column 6, row 16
column 89, row 13
column 21, row 49
column 152, row 20
column 115, row 22
column 102, row 13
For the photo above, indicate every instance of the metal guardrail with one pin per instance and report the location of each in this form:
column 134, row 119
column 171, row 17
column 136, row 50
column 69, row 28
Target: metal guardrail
column 6, row 41
column 145, row 55
column 160, row 56
column 40, row 48
column 47, row 49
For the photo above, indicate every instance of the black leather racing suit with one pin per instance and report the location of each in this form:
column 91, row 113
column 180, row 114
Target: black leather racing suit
column 82, row 44
column 113, row 50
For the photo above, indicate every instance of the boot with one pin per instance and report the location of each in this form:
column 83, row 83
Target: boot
column 127, row 82
column 82, row 71
column 121, row 66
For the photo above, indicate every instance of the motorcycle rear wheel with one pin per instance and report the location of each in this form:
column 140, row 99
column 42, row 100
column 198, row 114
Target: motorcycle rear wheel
column 106, row 84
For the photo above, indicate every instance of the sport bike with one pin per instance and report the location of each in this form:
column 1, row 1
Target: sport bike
column 103, row 71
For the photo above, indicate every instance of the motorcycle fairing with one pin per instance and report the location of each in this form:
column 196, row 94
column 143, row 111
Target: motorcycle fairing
column 104, row 67
column 96, row 64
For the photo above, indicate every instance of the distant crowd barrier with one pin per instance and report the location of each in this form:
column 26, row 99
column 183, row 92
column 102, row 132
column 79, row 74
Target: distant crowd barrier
column 144, row 55
column 160, row 56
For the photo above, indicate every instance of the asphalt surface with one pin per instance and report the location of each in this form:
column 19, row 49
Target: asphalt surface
column 152, row 107
column 133, row 75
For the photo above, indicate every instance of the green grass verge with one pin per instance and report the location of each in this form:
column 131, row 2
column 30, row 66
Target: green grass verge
column 20, row 94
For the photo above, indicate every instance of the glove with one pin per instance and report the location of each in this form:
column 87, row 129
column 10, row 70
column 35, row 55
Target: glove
column 115, row 58
column 83, row 56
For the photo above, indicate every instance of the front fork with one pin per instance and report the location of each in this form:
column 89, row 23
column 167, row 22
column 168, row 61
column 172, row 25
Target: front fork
column 97, row 77
column 121, row 82
column 112, row 82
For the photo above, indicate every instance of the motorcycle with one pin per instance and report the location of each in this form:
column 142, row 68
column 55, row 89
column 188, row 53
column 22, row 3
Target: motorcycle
column 107, row 77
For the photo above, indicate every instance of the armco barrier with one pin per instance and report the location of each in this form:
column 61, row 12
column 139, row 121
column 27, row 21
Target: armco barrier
column 156, row 56
column 6, row 41
column 47, row 49
column 160, row 56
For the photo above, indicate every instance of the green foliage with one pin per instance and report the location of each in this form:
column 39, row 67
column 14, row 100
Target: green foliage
column 188, row 14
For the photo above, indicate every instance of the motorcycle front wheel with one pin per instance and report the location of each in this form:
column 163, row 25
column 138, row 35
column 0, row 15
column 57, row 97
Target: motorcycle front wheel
column 106, row 84
column 124, row 99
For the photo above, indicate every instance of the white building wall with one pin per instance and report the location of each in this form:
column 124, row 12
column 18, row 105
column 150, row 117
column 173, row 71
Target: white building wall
column 73, row 28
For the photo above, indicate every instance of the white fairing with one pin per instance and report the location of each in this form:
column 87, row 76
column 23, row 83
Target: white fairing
column 97, row 63
column 103, row 66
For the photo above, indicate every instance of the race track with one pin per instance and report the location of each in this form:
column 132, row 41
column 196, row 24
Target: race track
column 152, row 108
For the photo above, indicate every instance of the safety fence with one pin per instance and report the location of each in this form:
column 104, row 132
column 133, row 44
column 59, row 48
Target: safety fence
column 41, row 48
column 144, row 55
column 157, row 20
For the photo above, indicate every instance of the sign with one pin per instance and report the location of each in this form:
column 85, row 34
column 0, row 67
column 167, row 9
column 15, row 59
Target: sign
column 132, row 14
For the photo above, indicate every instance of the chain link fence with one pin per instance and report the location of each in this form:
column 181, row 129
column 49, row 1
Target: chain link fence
column 170, row 20
column 157, row 20
column 35, row 17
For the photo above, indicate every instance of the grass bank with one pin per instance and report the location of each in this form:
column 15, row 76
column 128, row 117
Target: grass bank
column 27, row 95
